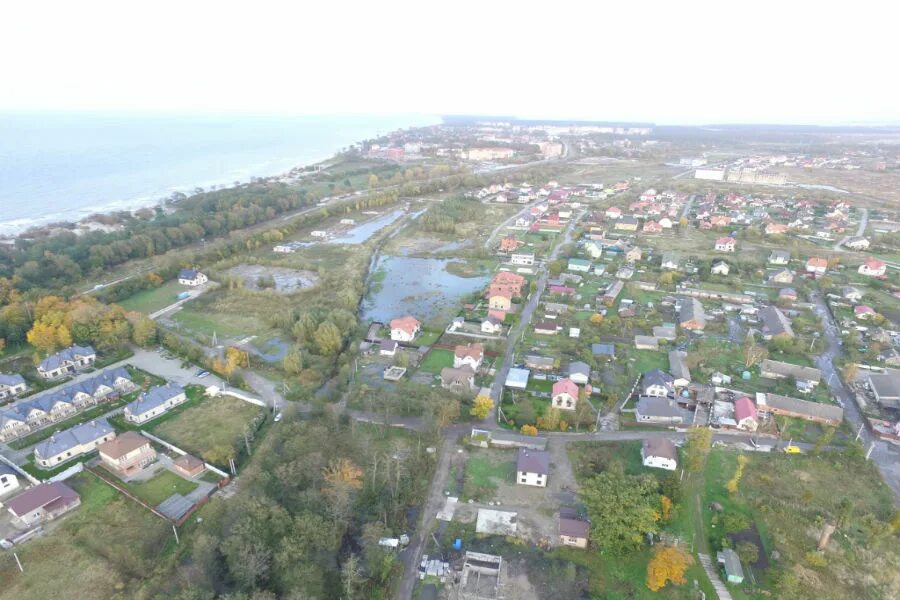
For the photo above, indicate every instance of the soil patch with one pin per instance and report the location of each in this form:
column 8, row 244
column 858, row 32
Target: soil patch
column 280, row 279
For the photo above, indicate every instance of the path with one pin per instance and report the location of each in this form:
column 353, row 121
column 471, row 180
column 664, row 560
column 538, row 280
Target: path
column 860, row 231
column 700, row 543
column 526, row 208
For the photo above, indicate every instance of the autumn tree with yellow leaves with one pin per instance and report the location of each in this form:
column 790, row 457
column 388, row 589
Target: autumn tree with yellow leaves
column 482, row 406
column 669, row 563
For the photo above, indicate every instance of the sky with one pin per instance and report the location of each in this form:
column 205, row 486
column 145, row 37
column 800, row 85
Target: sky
column 690, row 62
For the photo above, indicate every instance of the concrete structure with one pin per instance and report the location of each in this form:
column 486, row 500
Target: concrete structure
column 532, row 467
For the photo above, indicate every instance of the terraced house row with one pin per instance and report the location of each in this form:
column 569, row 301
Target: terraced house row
column 34, row 413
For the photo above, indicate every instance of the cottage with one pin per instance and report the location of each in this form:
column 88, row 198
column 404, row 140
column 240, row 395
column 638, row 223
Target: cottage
column 539, row 363
column 633, row 254
column 127, row 454
column 873, row 268
column 71, row 443
column 9, row 480
column 192, row 277
column 720, row 268
column 571, row 530
column 546, row 328
column 726, row 244
column 458, row 380
column 627, row 224
column 11, row 385
column 816, row 266
column 681, row 375
column 42, row 503
column 670, row 261
column 659, row 453
column 564, row 395
column 154, row 402
column 658, row 411
column 774, row 323
column 522, row 258
column 646, row 342
column 745, row 414
column 779, row 257
column 470, row 355
column 613, row 212
column 579, row 372
column 66, row 362
column 579, row 265
column 863, row 312
column 781, row 276
column 500, row 300
column 851, row 293
column 404, row 329
column 658, row 383
column 731, row 563
column 532, row 467
column 491, row 325
column 188, row 466
column 691, row 315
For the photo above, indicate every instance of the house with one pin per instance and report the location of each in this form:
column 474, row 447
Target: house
column 773, row 228
column 545, row 328
column 658, row 411
column 471, row 355
column 571, row 530
column 517, row 379
column 658, row 383
column 192, row 277
column 857, row 243
column 68, row 361
column 613, row 212
column 579, row 265
column 509, row 244
column 154, row 402
column 774, row 323
column 127, row 454
column 720, row 221
column 886, row 388
column 608, row 350
column 388, row 348
column 500, row 300
column 522, row 258
column 852, row 294
column 726, row 244
column 188, row 466
column 627, row 224
column 818, row 412
column 42, row 503
column 873, row 268
column 652, row 227
column 404, row 329
column 491, row 325
column 646, row 342
column 11, row 385
column 458, row 380
column 691, row 315
column 863, row 312
column 624, row 272
column 507, row 281
column 612, row 292
column 9, row 479
column 781, row 276
column 579, row 372
column 787, row 294
column 816, row 266
column 532, row 467
column 659, row 453
column 564, row 395
column 593, row 249
column 681, row 375
column 745, row 414
column 720, row 268
column 13, row 424
column 633, row 254
column 539, row 363
column 670, row 261
column 71, row 443
column 779, row 257
column 731, row 563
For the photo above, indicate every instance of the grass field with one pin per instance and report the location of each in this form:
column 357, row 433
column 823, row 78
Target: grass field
column 161, row 487
column 149, row 301
column 482, row 473
column 102, row 549
column 211, row 423
column 647, row 360
column 205, row 323
column 437, row 359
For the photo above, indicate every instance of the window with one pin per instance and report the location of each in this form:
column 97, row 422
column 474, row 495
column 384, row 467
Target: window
column 524, row 480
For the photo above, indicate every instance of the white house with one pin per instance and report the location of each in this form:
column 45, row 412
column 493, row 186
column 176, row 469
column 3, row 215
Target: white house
column 720, row 268
column 9, row 479
column 68, row 444
column 726, row 244
column 405, row 328
column 491, row 325
column 192, row 277
column 564, row 395
column 658, row 383
column 857, row 243
column 66, row 362
column 11, row 385
column 154, row 402
column 526, row 259
column 470, row 355
column 873, row 268
column 659, row 453
column 532, row 467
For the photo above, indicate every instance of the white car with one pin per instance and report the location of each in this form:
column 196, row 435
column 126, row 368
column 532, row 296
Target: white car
column 278, row 417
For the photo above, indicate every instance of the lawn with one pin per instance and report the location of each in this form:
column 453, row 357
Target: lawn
column 161, row 487
column 227, row 325
column 427, row 338
column 103, row 549
column 647, row 360
column 483, row 471
column 211, row 423
column 149, row 301
column 437, row 359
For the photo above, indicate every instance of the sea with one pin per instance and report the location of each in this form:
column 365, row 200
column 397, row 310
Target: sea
column 63, row 167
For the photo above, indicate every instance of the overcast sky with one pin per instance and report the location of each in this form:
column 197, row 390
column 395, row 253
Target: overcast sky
column 678, row 62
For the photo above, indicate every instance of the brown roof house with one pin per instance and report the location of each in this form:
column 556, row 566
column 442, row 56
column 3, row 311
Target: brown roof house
column 470, row 355
column 458, row 380
column 42, row 503
column 188, row 466
column 572, row 531
column 127, row 454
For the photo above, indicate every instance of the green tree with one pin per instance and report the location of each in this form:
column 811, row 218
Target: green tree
column 328, row 339
column 293, row 360
column 143, row 331
column 622, row 510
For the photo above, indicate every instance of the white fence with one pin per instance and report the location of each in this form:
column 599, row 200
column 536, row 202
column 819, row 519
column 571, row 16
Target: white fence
column 178, row 450
column 73, row 470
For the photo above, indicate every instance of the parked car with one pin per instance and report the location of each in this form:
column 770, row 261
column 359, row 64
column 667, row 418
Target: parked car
column 201, row 374
column 278, row 417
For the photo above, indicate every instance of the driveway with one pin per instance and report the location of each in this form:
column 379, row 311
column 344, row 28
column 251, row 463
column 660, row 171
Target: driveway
column 170, row 369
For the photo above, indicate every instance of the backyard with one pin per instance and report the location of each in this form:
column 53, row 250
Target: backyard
column 483, row 471
column 152, row 300
column 437, row 359
column 160, row 487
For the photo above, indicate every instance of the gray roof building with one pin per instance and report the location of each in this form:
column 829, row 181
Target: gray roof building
column 774, row 369
column 658, row 408
column 678, row 366
column 886, row 387
column 579, row 369
column 691, row 313
column 11, row 380
column 533, row 461
column 64, row 441
column 71, row 354
column 154, row 398
column 603, row 350
column 774, row 322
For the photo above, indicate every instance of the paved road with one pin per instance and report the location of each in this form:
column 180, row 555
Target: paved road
column 526, row 208
column 686, row 212
column 863, row 223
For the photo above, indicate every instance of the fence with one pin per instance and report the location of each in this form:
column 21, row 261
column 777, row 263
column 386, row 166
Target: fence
column 181, row 452
column 73, row 470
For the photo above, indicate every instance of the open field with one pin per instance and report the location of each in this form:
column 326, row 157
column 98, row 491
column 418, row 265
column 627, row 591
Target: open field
column 103, row 549
column 149, row 301
column 213, row 423
column 483, row 472
column 207, row 323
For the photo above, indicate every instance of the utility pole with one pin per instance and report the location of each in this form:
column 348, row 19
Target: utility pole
column 869, row 453
column 18, row 562
column 859, row 433
column 175, row 529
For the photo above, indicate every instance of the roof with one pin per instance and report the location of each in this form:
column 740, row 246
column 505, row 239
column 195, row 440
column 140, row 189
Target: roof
column 121, row 445
column 546, row 325
column 731, row 561
column 517, row 378
column 188, row 462
column 41, row 495
column 661, row 447
column 725, row 240
column 678, row 366
column 11, row 380
column 449, row 375
column 774, row 322
column 508, row 278
column 537, row 361
column 408, row 324
column 475, row 351
column 789, row 370
column 603, row 349
column 533, row 461
column 54, row 361
column 388, row 345
column 804, row 407
column 780, row 254
column 565, row 386
column 874, row 263
column 579, row 368
column 188, row 274
column 656, row 406
column 574, row 528
column 691, row 310
column 62, row 441
column 658, row 377
column 153, row 398
column 886, row 386
column 579, row 262
column 743, row 408
column 5, row 469
column 817, row 261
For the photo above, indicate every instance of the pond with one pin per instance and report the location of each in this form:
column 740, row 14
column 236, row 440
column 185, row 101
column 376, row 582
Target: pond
column 421, row 287
column 361, row 233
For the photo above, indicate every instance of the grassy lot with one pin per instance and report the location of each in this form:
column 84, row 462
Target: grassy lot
column 195, row 395
column 103, row 549
column 149, row 301
column 647, row 360
column 161, row 487
column 427, row 338
column 229, row 325
column 482, row 472
column 437, row 359
column 787, row 499
column 209, row 424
